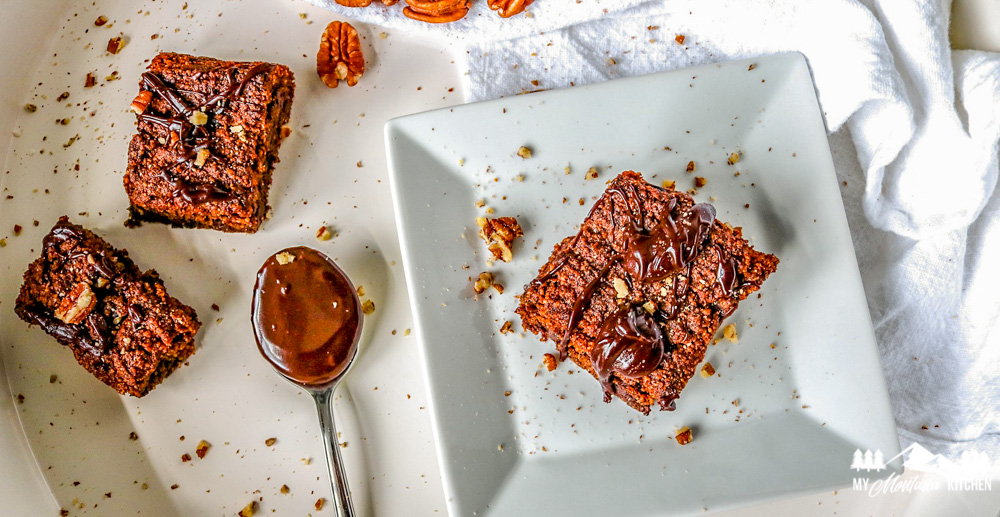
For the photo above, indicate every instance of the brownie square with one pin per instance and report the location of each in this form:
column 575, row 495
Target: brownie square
column 120, row 323
column 635, row 297
column 207, row 141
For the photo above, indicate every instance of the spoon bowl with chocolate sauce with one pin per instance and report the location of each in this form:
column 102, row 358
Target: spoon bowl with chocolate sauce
column 307, row 320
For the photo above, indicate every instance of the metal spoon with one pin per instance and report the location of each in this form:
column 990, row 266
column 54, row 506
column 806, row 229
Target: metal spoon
column 307, row 320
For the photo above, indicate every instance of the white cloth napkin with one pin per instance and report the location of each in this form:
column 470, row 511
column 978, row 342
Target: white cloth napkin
column 914, row 130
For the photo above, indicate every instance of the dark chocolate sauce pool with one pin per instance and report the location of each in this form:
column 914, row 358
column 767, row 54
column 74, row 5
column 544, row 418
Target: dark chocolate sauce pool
column 631, row 342
column 306, row 316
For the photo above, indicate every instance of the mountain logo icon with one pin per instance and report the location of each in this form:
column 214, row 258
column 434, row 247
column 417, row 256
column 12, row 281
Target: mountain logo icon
column 916, row 457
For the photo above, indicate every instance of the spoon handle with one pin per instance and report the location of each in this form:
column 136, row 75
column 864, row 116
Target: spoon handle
column 338, row 478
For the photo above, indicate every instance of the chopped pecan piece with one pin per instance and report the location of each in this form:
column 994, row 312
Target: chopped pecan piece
column 354, row 3
column 249, row 510
column 550, row 362
column 729, row 332
column 115, row 45
column 141, row 102
column 202, row 449
column 340, row 57
column 484, row 282
column 75, row 307
column 436, row 11
column 508, row 8
column 499, row 234
column 684, row 435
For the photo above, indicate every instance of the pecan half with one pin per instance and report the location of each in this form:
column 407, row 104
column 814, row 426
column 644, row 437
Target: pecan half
column 508, row 8
column 436, row 11
column 340, row 57
column 499, row 234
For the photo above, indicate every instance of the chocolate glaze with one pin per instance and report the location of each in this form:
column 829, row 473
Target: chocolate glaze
column 194, row 193
column 89, row 337
column 64, row 231
column 190, row 138
column 306, row 317
column 630, row 342
column 725, row 273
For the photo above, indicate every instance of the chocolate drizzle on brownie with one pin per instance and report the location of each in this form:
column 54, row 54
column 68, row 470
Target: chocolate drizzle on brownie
column 64, row 231
column 190, row 138
column 88, row 336
column 631, row 342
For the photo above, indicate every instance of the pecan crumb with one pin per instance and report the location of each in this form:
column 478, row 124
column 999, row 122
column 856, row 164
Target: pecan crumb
column 185, row 457
column 198, row 118
column 690, row 167
column 591, row 173
column 708, row 370
column 524, row 152
column 284, row 489
column 506, row 328
column 729, row 332
column 621, row 288
column 270, row 441
column 90, row 81
column 324, row 233
column 101, row 20
column 679, row 39
column 284, row 258
column 684, row 435
column 699, row 181
column 249, row 509
column 733, row 158
column 30, row 108
column 201, row 157
column 669, row 184
column 319, row 503
column 550, row 361
column 484, row 282
column 367, row 306
column 115, row 45
column 202, row 449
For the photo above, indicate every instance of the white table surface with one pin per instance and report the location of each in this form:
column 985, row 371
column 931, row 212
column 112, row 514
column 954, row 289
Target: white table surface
column 384, row 407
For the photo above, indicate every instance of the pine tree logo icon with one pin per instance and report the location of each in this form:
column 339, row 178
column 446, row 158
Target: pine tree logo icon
column 868, row 461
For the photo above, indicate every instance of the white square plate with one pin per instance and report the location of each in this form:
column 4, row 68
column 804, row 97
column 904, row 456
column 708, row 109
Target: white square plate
column 516, row 439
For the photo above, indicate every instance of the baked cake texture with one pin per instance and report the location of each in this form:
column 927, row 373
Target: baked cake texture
column 636, row 296
column 120, row 323
column 207, row 141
